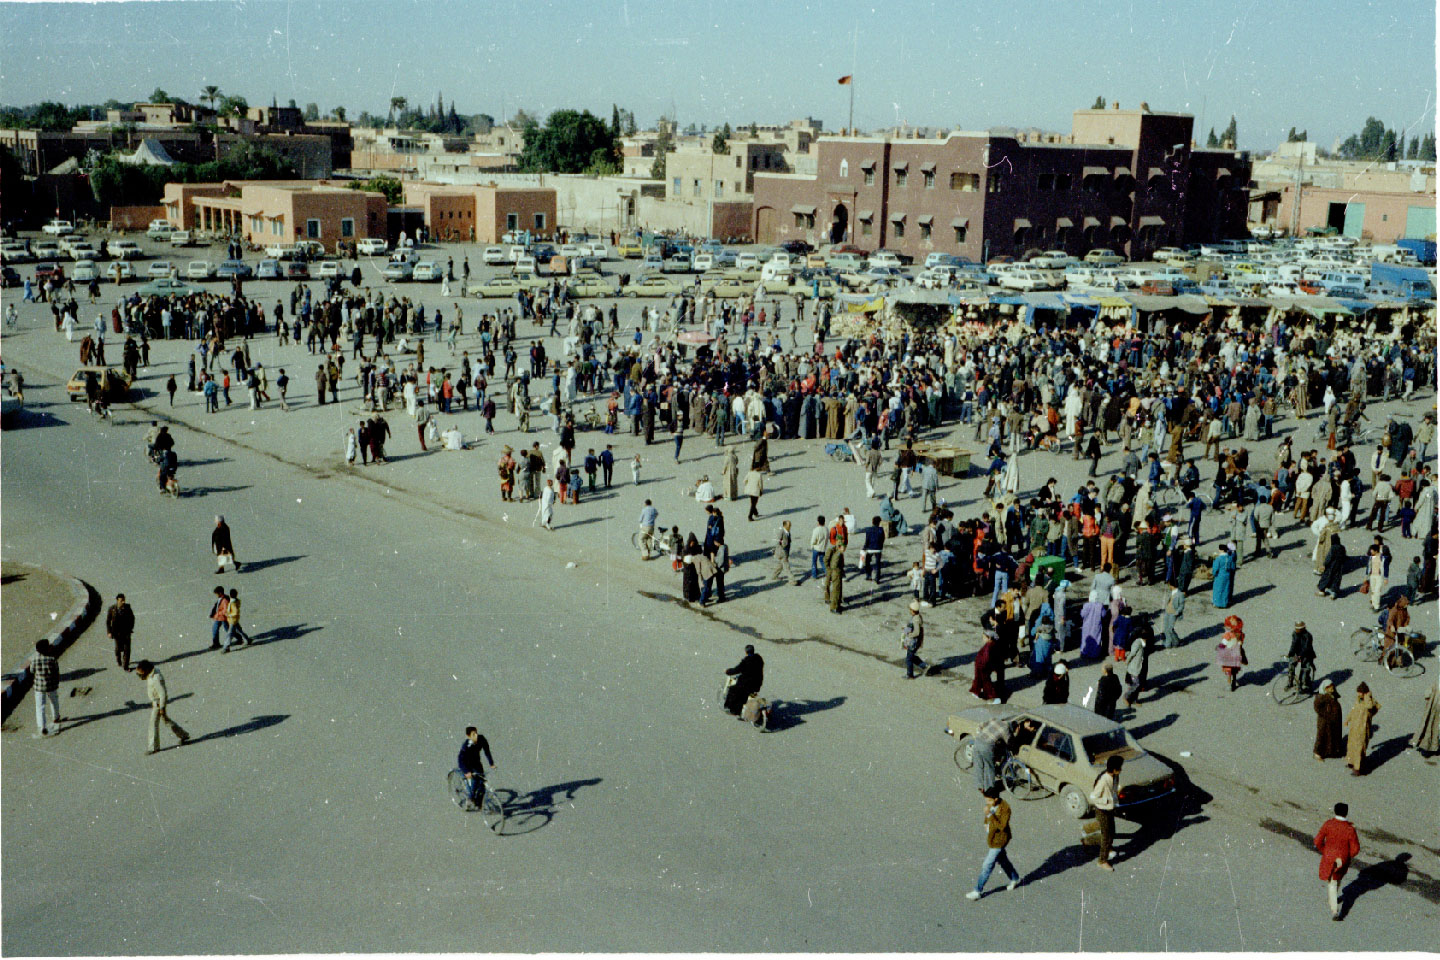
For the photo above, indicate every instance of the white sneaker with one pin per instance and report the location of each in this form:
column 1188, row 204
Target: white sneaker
column 926, row 603
column 973, row 895
column 1012, row 884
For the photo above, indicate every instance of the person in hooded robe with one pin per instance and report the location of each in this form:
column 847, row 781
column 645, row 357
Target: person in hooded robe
column 760, row 455
column 1092, row 628
column 1057, row 685
column 1329, row 726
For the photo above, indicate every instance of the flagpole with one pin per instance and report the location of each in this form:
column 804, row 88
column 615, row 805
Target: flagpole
column 851, row 85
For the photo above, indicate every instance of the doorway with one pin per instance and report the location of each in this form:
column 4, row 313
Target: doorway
column 840, row 225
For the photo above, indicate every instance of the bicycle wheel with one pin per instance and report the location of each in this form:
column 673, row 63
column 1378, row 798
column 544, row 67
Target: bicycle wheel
column 1365, row 646
column 456, row 781
column 635, row 541
column 965, row 754
column 1020, row 781
column 492, row 809
column 1283, row 694
column 1401, row 662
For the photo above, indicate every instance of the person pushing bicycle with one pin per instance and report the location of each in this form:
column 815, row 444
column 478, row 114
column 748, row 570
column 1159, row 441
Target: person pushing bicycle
column 1301, row 657
column 472, row 766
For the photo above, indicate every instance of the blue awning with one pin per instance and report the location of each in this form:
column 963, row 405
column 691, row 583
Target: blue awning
column 1046, row 301
column 1358, row 306
column 1015, row 301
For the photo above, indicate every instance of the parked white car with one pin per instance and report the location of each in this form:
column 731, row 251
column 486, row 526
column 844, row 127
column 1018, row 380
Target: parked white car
column 495, row 257
column 371, row 247
column 196, row 270
column 84, row 271
column 327, row 268
column 159, row 269
column 1027, row 280
column 160, row 229
column 125, row 250
column 46, row 250
column 428, row 270
column 58, row 228
column 1052, row 260
column 181, row 238
column 884, row 258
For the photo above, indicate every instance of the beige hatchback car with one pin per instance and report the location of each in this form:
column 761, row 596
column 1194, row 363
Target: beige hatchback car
column 1066, row 755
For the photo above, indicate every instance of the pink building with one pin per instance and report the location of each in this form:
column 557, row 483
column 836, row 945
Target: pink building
column 271, row 212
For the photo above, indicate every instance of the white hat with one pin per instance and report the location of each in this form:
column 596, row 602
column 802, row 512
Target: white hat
column 1061, row 669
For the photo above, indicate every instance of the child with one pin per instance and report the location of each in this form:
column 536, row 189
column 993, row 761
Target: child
column 917, row 578
column 1406, row 516
column 635, row 469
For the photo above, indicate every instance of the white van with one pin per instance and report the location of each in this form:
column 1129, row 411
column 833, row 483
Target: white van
column 180, row 238
column 160, row 229
column 747, row 261
column 884, row 258
column 850, row 262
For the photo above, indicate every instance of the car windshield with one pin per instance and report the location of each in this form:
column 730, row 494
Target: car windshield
column 1099, row 746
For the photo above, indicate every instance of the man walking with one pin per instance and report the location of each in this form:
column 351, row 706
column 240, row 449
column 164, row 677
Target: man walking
column 159, row 698
column 218, row 619
column 997, row 838
column 119, row 625
column 1102, row 798
column 222, row 546
column 819, row 539
column 782, row 554
column 835, row 576
column 1338, row 845
column 234, row 633
column 873, row 549
column 45, row 674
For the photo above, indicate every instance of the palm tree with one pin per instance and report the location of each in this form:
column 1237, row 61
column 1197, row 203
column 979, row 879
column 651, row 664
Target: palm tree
column 397, row 105
column 210, row 94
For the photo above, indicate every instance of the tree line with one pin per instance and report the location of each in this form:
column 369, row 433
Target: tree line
column 1377, row 142
column 114, row 182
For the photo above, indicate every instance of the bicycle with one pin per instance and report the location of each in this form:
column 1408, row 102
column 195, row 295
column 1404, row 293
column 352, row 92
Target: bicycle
column 492, row 808
column 1020, row 780
column 1168, row 498
column 650, row 543
column 1293, row 684
column 1397, row 659
column 760, row 717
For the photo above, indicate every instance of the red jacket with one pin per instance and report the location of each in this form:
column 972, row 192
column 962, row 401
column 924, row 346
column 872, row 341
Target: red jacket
column 1336, row 841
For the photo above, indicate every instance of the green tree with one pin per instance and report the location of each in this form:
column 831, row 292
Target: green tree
column 1212, row 140
column 312, row 112
column 717, row 143
column 210, row 93
column 393, row 189
column 1229, row 139
column 614, row 121
column 1099, row 104
column 662, row 147
column 1292, row 136
column 1389, row 146
column 339, row 114
column 233, row 106
column 397, row 106
column 569, row 142
column 754, row 129
column 1427, row 147
column 1413, row 153
column 160, row 96
column 630, row 126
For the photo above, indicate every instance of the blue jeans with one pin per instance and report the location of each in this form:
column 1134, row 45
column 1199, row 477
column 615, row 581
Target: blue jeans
column 996, row 855
column 1002, row 583
column 816, row 570
column 475, row 789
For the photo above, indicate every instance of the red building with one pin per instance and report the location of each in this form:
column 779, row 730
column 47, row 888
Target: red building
column 1131, row 181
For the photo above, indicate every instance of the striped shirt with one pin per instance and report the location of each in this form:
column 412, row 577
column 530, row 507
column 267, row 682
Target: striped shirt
column 46, row 671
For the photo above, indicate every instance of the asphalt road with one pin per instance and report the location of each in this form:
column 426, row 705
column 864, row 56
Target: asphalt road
column 395, row 606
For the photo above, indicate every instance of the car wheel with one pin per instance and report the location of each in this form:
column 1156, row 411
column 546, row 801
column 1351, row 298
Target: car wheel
column 965, row 753
column 1076, row 803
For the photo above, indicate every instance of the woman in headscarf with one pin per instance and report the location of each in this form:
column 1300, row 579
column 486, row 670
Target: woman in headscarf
column 506, row 466
column 1092, row 628
column 1358, row 728
column 889, row 514
column 989, row 681
column 1057, row 685
column 1137, row 670
column 1332, row 571
column 1329, row 733
column 1043, row 645
column 1230, row 651
column 1223, row 568
column 689, row 571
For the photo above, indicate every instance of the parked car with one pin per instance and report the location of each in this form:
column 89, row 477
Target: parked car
column 165, row 287
column 725, row 284
column 703, row 263
column 199, row 270
column 1028, row 280
column 496, row 287
column 590, row 283
column 10, row 277
column 629, row 249
column 46, row 250
column 268, row 270
column 181, row 238
column 48, row 269
column 114, row 383
column 297, row 270
column 796, row 246
column 326, row 269
column 159, row 268
column 119, row 271
column 160, row 230
column 58, row 228
column 1104, row 258
column 80, row 250
column 371, row 247
column 675, row 263
column 652, row 285
column 233, row 268
column 428, row 271
column 1051, row 260
column 125, row 250
column 1068, row 753
column 495, row 257
column 806, row 287
column 398, row 271
column 84, row 271
column 15, row 251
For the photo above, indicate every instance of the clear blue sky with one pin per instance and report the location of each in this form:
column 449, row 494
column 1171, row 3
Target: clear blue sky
column 1321, row 65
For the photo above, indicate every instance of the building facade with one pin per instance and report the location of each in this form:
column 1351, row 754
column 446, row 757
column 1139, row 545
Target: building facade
column 272, row 212
column 482, row 213
column 1130, row 181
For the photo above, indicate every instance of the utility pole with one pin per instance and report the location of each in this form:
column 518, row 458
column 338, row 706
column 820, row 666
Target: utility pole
column 1299, row 189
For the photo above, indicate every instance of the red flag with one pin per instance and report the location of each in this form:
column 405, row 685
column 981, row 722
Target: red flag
column 846, row 79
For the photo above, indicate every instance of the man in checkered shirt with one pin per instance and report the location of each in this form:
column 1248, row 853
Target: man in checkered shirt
column 45, row 671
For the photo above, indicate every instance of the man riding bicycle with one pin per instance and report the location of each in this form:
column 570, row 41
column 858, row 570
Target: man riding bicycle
column 1301, row 657
column 472, row 767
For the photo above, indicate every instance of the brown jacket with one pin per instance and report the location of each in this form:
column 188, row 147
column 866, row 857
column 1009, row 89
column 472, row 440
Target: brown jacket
column 997, row 821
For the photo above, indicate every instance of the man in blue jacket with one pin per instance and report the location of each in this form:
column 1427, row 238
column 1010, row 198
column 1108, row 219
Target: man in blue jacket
column 471, row 765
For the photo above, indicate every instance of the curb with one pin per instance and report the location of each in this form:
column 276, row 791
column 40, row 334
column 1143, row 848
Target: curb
column 86, row 604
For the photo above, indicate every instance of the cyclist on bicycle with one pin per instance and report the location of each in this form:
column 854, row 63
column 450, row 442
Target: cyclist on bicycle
column 472, row 767
column 1301, row 657
column 648, row 518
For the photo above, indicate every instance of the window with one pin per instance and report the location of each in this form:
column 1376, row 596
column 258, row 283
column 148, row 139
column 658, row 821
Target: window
column 1057, row 743
column 347, row 227
column 866, row 229
column 1045, row 181
column 805, row 221
column 512, row 221
column 676, row 187
column 995, row 182
column 719, row 188
column 1062, row 182
column 869, row 176
column 737, row 187
column 539, row 221
column 695, row 187
column 738, row 160
column 844, row 168
column 899, row 230
column 960, row 235
column 312, row 229
column 902, row 177
column 968, row 182
column 1062, row 236
column 929, row 179
column 924, row 231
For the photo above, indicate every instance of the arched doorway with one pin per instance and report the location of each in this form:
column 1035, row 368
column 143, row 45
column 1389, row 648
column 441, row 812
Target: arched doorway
column 840, row 225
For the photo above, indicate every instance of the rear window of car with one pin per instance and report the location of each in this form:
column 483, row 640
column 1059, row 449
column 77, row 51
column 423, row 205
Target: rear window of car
column 1098, row 746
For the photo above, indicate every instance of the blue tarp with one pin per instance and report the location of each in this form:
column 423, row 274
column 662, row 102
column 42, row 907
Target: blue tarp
column 1046, row 301
column 1013, row 300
